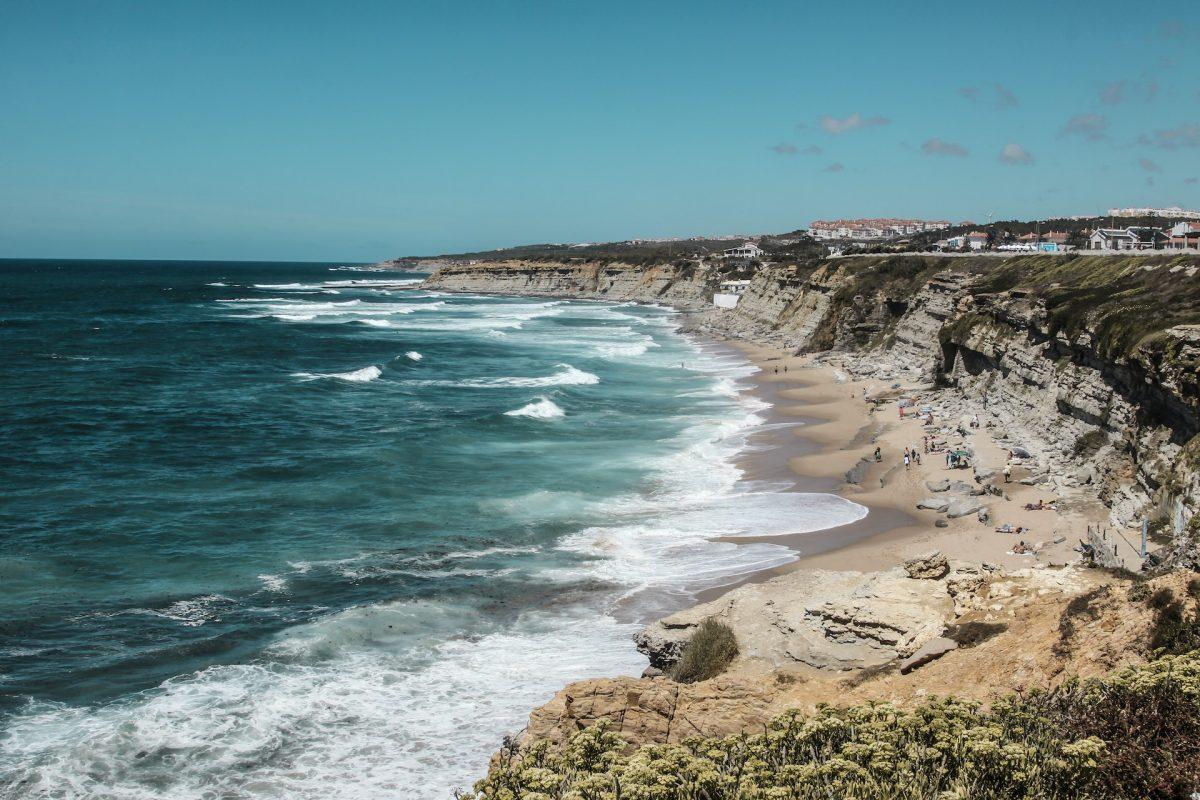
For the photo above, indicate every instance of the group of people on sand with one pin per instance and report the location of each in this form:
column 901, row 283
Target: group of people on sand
column 956, row 461
column 910, row 456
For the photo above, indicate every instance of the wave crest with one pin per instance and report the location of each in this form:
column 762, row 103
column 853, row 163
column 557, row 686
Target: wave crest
column 543, row 408
column 363, row 375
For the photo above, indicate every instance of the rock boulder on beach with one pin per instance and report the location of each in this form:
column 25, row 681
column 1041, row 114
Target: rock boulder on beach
column 930, row 566
column 963, row 508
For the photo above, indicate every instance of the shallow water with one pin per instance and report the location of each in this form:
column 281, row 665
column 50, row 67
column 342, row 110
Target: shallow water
column 274, row 530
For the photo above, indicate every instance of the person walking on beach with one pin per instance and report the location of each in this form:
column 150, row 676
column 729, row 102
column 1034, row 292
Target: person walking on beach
column 878, row 455
column 947, row 459
column 1007, row 472
column 906, row 460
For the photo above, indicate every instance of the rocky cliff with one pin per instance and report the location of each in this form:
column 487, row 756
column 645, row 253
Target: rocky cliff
column 1092, row 364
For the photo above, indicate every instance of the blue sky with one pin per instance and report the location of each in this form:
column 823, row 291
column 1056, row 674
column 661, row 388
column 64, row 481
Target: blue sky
column 363, row 130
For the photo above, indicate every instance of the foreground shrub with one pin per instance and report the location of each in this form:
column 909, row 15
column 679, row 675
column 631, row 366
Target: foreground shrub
column 708, row 653
column 1134, row 734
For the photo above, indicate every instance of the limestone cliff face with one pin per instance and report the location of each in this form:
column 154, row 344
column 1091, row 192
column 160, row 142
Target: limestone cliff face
column 1125, row 421
column 688, row 287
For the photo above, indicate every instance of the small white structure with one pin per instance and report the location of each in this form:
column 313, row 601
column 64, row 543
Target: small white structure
column 731, row 292
column 1112, row 239
column 745, row 250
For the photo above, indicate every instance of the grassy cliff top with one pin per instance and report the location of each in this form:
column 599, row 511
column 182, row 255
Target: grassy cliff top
column 1133, row 734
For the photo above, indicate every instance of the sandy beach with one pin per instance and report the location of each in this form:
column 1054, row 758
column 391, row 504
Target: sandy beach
column 832, row 427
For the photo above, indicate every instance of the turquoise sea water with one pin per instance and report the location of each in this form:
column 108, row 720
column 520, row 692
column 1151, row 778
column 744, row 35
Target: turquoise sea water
column 290, row 530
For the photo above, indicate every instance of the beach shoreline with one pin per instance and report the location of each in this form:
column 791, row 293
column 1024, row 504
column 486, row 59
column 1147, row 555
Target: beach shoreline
column 819, row 426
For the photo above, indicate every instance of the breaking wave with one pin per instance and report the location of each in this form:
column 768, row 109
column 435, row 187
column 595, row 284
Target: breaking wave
column 363, row 375
column 539, row 409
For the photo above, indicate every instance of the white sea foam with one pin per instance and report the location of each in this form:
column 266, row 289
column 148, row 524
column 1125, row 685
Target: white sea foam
column 273, row 583
column 194, row 611
column 356, row 376
column 370, row 702
column 218, row 283
column 291, row 286
column 413, row 355
column 567, row 375
column 542, row 408
column 368, row 283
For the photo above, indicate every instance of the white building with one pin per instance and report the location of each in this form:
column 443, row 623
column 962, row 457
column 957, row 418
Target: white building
column 874, row 228
column 1172, row 212
column 731, row 292
column 976, row 240
column 745, row 250
column 1137, row 238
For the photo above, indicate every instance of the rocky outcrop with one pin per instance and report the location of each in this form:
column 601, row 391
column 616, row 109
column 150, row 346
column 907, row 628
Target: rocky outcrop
column 818, row 618
column 654, row 710
column 1029, row 629
column 931, row 566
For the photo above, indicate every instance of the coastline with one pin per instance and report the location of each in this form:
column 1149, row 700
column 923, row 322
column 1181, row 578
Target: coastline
column 818, row 428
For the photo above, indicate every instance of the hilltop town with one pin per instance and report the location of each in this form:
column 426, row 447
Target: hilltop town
column 1121, row 230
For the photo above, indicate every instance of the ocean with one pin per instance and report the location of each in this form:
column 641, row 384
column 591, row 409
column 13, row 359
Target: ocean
column 276, row 530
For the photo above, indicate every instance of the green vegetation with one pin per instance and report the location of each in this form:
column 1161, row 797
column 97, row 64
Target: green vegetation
column 786, row 247
column 1125, row 300
column 707, row 654
column 1133, row 734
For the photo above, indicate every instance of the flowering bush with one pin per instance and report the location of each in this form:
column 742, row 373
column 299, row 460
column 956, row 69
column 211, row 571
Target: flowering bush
column 1070, row 743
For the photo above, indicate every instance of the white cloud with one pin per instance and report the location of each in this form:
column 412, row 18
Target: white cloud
column 1092, row 127
column 940, row 147
column 1013, row 153
column 853, row 122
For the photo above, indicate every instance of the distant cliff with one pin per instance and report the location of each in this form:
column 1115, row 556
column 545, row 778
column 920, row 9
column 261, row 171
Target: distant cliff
column 1095, row 361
